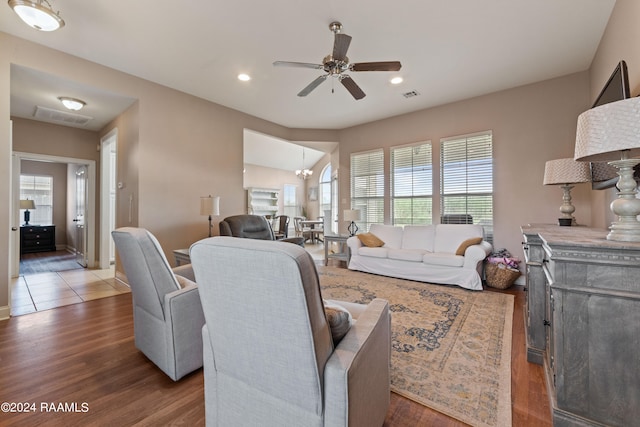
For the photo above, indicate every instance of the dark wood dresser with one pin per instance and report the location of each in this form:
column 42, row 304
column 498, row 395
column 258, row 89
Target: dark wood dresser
column 37, row 238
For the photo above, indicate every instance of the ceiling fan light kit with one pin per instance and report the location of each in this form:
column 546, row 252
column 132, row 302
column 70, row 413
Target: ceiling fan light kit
column 337, row 64
column 37, row 14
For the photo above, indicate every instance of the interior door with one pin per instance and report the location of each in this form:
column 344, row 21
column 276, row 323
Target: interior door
column 81, row 215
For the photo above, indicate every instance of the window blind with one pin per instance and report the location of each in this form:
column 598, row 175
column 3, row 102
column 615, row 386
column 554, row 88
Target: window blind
column 466, row 181
column 411, row 184
column 367, row 187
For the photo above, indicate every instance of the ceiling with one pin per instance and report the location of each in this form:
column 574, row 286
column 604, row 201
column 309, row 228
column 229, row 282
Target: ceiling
column 450, row 50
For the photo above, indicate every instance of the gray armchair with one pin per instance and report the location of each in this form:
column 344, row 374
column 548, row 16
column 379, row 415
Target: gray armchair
column 167, row 313
column 252, row 227
column 269, row 358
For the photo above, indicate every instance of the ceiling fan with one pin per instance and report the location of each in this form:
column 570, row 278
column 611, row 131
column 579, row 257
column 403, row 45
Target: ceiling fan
column 337, row 63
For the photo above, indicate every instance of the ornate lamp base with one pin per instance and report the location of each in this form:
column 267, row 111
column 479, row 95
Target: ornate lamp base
column 626, row 206
column 353, row 228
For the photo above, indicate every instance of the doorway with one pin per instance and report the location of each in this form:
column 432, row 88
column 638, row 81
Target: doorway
column 89, row 214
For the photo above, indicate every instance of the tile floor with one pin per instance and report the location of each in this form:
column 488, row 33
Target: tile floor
column 42, row 291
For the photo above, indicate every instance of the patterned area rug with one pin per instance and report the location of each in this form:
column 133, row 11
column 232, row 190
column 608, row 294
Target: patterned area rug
column 451, row 348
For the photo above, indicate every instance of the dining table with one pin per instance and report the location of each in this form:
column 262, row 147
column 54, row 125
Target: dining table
column 312, row 223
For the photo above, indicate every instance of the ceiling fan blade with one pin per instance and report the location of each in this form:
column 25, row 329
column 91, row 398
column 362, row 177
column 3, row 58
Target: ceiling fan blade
column 297, row 65
column 352, row 87
column 340, row 46
column 311, row 86
column 376, row 66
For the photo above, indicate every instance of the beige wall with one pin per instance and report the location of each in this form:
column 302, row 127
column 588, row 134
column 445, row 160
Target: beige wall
column 58, row 171
column 530, row 125
column 620, row 41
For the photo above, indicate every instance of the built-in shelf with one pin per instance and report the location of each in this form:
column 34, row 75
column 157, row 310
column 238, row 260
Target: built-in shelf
column 262, row 201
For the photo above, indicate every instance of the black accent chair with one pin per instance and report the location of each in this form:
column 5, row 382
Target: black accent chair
column 281, row 226
column 252, row 227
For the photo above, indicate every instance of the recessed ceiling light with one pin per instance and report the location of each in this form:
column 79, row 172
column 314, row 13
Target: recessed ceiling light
column 72, row 103
column 396, row 80
column 244, row 77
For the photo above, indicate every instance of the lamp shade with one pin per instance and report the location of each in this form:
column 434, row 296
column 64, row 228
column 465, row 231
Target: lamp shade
column 566, row 171
column 210, row 205
column 606, row 130
column 352, row 214
column 27, row 204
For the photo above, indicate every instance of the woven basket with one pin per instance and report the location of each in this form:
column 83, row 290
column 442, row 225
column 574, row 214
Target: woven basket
column 499, row 276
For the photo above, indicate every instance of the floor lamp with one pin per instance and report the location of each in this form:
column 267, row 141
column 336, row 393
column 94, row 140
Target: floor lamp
column 210, row 206
column 565, row 172
column 612, row 132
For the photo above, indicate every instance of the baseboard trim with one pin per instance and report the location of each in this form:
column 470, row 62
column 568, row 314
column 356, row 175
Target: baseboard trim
column 5, row 312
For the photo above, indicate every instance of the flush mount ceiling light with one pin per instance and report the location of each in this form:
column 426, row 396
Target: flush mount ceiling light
column 72, row 103
column 396, row 80
column 37, row 14
column 244, row 77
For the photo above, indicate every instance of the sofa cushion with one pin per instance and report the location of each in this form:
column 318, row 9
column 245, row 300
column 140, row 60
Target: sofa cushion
column 406, row 254
column 373, row 252
column 418, row 237
column 449, row 236
column 389, row 234
column 443, row 259
column 339, row 320
column 469, row 242
column 370, row 240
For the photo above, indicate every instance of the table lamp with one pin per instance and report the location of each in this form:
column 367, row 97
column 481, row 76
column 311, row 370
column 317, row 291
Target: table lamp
column 210, row 206
column 27, row 204
column 352, row 215
column 565, row 172
column 612, row 132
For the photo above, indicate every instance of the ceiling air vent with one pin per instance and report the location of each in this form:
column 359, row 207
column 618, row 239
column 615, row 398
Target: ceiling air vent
column 410, row 94
column 61, row 117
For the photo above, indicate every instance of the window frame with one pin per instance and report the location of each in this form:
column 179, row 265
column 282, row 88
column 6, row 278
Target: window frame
column 372, row 176
column 468, row 177
column 402, row 184
column 43, row 214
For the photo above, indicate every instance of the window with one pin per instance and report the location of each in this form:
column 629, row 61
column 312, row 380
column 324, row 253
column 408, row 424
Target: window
column 411, row 184
column 325, row 189
column 290, row 201
column 367, row 187
column 39, row 189
column 466, row 181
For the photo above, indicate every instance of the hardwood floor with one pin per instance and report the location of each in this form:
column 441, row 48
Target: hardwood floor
column 84, row 354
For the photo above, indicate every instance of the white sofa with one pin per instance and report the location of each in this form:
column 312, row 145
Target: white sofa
column 426, row 253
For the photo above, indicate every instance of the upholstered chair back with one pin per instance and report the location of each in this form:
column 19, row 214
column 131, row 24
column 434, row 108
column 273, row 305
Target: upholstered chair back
column 266, row 333
column 247, row 226
column 148, row 271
